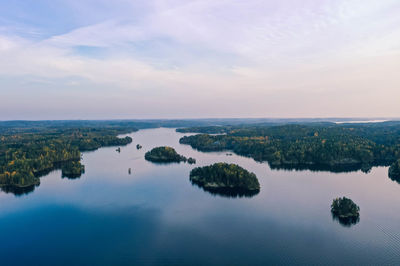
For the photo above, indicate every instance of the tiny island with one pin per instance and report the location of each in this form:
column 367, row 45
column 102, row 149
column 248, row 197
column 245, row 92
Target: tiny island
column 226, row 180
column 138, row 146
column 166, row 154
column 345, row 210
column 191, row 160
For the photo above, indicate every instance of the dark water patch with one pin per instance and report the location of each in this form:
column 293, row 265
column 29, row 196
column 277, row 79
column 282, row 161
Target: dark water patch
column 343, row 168
column 19, row 191
column 228, row 192
column 74, row 236
column 346, row 221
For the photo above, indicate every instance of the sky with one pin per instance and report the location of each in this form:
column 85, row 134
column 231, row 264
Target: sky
column 122, row 59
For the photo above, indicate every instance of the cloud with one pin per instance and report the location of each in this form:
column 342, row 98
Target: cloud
column 216, row 58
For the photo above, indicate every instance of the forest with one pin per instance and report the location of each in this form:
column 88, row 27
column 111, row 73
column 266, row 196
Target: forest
column 394, row 171
column 225, row 179
column 345, row 211
column 28, row 152
column 326, row 146
column 166, row 154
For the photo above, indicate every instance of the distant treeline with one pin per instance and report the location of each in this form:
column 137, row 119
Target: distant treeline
column 39, row 126
column 316, row 145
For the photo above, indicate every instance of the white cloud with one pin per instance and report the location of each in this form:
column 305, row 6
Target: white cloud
column 229, row 58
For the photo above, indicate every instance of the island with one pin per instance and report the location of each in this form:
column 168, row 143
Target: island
column 138, row 146
column 164, row 154
column 394, row 171
column 225, row 179
column 191, row 160
column 345, row 211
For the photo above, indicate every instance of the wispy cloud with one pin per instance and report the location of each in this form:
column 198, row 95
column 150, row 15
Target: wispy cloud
column 246, row 58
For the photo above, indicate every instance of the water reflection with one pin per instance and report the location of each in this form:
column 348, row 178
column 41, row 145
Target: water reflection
column 323, row 168
column 228, row 192
column 70, row 170
column 19, row 191
column 346, row 221
column 70, row 175
column 164, row 163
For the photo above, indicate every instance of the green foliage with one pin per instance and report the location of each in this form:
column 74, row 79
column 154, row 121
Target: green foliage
column 204, row 142
column 307, row 145
column 191, row 160
column 164, row 154
column 72, row 169
column 345, row 210
column 345, row 207
column 27, row 153
column 394, row 170
column 223, row 175
column 208, row 129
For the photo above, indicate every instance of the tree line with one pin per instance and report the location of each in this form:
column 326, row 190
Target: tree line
column 309, row 145
column 27, row 153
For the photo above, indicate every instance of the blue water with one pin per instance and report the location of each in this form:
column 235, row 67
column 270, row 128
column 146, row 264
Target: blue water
column 155, row 216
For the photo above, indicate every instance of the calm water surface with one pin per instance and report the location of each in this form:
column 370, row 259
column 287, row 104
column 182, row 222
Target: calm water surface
column 156, row 216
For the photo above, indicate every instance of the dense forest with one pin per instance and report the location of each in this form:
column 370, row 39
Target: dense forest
column 26, row 153
column 394, row 171
column 225, row 179
column 325, row 146
column 345, row 211
column 166, row 154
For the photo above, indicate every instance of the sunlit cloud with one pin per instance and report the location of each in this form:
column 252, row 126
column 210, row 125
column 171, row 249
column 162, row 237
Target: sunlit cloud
column 200, row 59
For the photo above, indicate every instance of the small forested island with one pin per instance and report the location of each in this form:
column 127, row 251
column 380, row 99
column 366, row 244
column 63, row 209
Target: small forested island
column 164, row 154
column 394, row 171
column 138, row 146
column 345, row 210
column 225, row 179
column 191, row 160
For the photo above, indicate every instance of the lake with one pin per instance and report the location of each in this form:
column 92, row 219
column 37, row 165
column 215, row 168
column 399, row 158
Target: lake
column 155, row 216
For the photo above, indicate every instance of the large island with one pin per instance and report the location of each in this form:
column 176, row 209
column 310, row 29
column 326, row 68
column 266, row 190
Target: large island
column 225, row 179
